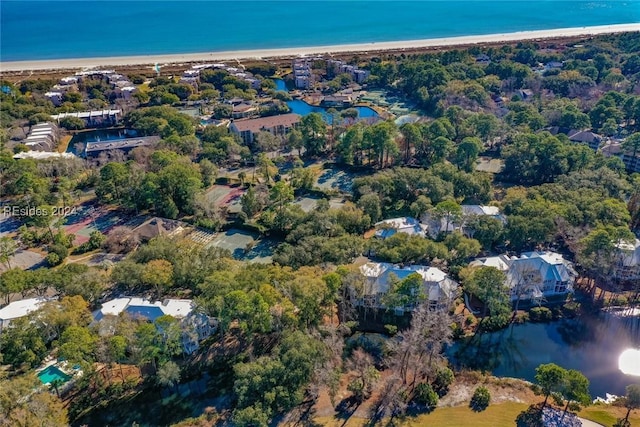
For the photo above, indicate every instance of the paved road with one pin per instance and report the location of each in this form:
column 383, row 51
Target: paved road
column 587, row 423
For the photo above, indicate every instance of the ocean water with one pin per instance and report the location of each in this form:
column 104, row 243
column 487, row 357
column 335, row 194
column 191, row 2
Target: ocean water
column 74, row 29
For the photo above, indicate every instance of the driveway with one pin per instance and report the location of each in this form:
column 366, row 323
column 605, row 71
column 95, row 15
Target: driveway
column 587, row 423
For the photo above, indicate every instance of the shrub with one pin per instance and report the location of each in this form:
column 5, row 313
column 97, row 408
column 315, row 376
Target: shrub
column 52, row 259
column 540, row 314
column 444, row 379
column 469, row 320
column 495, row 323
column 426, row 396
column 61, row 251
column 391, row 329
column 480, row 399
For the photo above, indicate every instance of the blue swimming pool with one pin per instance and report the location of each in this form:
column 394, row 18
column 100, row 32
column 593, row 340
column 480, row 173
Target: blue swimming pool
column 52, row 373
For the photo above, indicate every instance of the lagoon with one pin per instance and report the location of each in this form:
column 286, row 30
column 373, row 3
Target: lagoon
column 300, row 107
column 591, row 345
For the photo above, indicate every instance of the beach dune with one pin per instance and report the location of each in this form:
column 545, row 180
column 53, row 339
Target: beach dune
column 59, row 64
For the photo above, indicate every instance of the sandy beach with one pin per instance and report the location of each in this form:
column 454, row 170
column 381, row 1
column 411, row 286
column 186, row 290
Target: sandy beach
column 78, row 63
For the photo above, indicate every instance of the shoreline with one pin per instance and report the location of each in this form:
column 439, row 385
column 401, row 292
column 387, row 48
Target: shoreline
column 178, row 58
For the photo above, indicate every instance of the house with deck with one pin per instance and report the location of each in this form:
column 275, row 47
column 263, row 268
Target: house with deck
column 436, row 225
column 196, row 326
column 408, row 225
column 18, row 309
column 42, row 137
column 437, row 287
column 626, row 265
column 533, row 276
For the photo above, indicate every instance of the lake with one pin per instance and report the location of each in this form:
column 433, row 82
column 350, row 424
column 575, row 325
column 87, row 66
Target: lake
column 590, row 345
column 300, row 107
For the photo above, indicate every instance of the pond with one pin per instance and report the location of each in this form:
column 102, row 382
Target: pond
column 300, row 107
column 590, row 345
column 97, row 136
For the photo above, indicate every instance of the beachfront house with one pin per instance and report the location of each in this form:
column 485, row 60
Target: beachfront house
column 389, row 227
column 278, row 125
column 195, row 326
column 18, row 309
column 533, row 277
column 437, row 287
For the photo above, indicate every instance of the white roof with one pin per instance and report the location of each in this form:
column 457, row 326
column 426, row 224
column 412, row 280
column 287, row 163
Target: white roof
column 40, row 155
column 115, row 306
column 499, row 262
column 172, row 307
column 480, row 210
column 84, row 114
column 435, row 280
column 177, row 307
column 630, row 255
column 21, row 308
column 52, row 94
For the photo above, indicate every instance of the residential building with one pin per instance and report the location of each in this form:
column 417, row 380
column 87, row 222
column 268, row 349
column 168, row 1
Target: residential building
column 94, row 118
column 483, row 59
column 533, row 276
column 195, row 326
column 408, row 225
column 593, row 140
column 278, row 125
column 339, row 101
column 42, row 137
column 553, row 65
column 54, row 97
column 244, row 110
column 68, row 81
column 627, row 261
column 614, row 148
column 336, row 66
column 125, row 144
column 18, row 309
column 438, row 288
column 42, row 155
column 525, row 94
column 302, row 75
column 126, row 92
column 436, row 225
column 155, row 227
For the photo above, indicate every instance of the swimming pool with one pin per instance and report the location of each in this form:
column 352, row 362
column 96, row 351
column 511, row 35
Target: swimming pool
column 52, row 373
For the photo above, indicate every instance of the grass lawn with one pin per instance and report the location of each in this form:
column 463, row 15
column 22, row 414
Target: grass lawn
column 64, row 143
column 607, row 415
column 503, row 414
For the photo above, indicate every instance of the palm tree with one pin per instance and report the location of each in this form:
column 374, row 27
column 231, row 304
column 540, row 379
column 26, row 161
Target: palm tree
column 55, row 384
